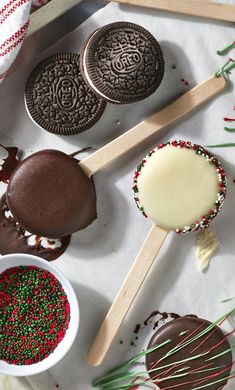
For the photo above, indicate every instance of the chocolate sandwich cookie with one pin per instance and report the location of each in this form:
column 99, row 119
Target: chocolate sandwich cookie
column 50, row 195
column 122, row 62
column 58, row 99
column 196, row 353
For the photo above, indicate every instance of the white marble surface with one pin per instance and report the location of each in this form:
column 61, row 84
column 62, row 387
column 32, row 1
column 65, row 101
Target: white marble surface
column 100, row 256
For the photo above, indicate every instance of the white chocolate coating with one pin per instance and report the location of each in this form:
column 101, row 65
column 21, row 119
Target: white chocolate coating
column 176, row 187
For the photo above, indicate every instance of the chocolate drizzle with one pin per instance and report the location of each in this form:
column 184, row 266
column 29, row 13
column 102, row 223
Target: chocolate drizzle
column 8, row 163
column 164, row 316
column 14, row 239
column 137, row 328
column 74, row 154
column 155, row 322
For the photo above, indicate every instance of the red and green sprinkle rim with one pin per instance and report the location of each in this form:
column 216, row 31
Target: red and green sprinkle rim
column 222, row 183
column 34, row 314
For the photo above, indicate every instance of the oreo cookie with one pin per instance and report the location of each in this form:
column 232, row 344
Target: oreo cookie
column 122, row 62
column 58, row 99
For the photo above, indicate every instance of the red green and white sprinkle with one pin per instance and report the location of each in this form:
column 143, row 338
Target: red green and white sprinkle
column 34, row 314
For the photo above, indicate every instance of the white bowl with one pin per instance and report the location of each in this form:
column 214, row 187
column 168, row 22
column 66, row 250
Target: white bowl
column 15, row 260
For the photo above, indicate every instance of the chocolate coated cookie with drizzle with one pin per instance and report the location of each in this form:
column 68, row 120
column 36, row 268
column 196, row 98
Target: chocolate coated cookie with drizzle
column 188, row 353
column 193, row 357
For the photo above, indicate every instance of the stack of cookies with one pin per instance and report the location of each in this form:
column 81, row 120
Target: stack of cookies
column 120, row 63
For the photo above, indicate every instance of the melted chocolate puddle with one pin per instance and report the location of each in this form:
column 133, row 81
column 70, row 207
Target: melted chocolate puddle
column 8, row 162
column 14, row 239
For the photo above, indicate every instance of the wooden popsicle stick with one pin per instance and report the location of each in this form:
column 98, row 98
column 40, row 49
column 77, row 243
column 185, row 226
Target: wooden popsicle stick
column 49, row 12
column 126, row 295
column 165, row 117
column 202, row 8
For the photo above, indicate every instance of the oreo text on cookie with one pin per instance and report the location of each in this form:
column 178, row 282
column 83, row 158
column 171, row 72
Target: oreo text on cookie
column 127, row 61
column 66, row 93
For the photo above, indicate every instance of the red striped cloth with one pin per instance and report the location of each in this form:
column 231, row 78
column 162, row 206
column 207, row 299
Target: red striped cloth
column 14, row 21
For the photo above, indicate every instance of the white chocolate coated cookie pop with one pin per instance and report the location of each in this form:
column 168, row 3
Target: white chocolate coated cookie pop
column 180, row 186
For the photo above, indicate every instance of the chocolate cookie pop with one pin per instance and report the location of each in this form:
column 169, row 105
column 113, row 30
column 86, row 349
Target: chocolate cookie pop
column 197, row 354
column 186, row 353
column 182, row 187
column 50, row 195
column 13, row 238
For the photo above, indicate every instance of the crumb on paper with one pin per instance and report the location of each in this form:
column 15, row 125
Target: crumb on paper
column 185, row 82
column 207, row 244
